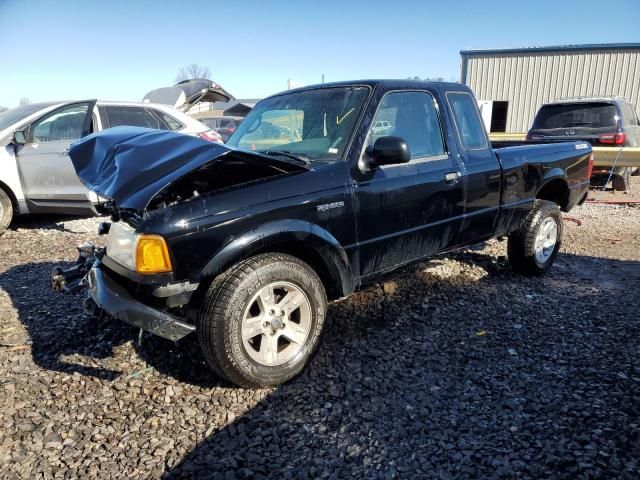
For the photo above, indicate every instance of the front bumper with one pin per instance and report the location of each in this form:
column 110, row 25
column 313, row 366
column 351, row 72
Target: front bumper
column 116, row 301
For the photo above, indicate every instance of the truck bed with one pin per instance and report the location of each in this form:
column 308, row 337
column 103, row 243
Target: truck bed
column 602, row 156
column 527, row 165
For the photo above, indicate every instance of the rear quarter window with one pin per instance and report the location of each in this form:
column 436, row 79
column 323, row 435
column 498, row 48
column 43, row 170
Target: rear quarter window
column 467, row 120
column 119, row 115
column 168, row 121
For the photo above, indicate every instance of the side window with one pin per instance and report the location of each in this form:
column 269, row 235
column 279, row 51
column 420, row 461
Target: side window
column 468, row 123
column 118, row 115
column 63, row 124
column 169, row 122
column 412, row 116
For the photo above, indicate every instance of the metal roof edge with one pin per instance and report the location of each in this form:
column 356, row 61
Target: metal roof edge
column 553, row 48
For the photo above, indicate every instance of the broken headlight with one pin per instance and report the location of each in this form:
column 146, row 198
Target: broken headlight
column 121, row 244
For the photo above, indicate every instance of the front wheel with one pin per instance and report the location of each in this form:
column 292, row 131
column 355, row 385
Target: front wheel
column 533, row 248
column 261, row 321
column 6, row 211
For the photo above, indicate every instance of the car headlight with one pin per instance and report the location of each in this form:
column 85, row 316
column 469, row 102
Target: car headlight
column 121, row 244
column 146, row 254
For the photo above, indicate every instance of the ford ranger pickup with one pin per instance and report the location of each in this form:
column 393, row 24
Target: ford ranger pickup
column 244, row 244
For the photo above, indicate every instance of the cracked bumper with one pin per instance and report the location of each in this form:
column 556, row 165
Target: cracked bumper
column 117, row 302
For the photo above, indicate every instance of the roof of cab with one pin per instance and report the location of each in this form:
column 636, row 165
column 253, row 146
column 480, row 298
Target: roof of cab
column 399, row 84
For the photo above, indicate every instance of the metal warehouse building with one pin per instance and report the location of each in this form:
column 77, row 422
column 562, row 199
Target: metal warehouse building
column 511, row 84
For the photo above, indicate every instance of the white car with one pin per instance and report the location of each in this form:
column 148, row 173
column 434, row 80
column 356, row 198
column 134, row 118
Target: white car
column 36, row 174
column 381, row 127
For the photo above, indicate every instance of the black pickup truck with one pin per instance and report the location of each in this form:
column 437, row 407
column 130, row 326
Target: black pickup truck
column 319, row 191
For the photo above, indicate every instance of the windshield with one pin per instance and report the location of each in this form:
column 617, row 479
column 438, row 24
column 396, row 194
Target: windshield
column 576, row 115
column 14, row 115
column 316, row 124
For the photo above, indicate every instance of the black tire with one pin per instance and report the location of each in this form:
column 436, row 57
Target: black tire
column 599, row 180
column 521, row 243
column 221, row 315
column 6, row 211
column 620, row 181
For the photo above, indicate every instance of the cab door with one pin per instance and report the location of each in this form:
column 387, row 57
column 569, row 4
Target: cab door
column 411, row 210
column 49, row 181
column 482, row 173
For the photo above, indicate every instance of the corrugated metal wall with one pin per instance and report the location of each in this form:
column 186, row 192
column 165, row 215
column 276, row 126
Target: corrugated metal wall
column 528, row 79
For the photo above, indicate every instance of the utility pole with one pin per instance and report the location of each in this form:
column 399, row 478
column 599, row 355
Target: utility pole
column 323, row 78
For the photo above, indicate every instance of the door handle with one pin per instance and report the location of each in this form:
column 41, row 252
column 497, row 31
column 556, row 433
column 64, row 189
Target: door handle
column 65, row 151
column 451, row 178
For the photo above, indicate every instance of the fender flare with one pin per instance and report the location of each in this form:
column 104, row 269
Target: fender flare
column 278, row 234
column 556, row 176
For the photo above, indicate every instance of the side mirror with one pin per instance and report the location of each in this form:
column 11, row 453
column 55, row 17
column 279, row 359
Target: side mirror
column 388, row 151
column 19, row 137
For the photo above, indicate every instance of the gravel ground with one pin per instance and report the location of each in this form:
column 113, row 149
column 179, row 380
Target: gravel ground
column 456, row 369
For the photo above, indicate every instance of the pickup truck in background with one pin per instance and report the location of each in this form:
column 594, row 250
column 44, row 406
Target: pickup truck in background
column 245, row 243
column 601, row 121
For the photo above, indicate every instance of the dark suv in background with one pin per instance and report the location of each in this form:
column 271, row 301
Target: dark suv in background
column 604, row 122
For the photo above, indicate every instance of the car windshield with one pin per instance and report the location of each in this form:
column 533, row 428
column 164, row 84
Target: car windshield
column 14, row 115
column 576, row 115
column 315, row 124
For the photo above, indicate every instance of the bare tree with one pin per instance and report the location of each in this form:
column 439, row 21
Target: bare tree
column 25, row 101
column 193, row 71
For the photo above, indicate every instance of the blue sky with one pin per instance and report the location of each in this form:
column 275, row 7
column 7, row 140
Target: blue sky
column 115, row 49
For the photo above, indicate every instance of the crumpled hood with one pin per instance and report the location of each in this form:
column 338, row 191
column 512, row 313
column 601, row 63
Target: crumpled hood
column 131, row 164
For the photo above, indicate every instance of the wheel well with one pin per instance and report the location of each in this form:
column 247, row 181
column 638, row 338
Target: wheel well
column 555, row 190
column 331, row 280
column 14, row 201
column 302, row 251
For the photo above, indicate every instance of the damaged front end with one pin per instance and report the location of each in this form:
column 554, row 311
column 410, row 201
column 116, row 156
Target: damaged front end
column 142, row 172
column 108, row 296
column 73, row 279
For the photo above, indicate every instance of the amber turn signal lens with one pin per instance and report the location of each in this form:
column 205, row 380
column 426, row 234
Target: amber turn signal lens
column 152, row 255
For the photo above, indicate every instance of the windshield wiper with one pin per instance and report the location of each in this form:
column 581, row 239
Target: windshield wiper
column 284, row 153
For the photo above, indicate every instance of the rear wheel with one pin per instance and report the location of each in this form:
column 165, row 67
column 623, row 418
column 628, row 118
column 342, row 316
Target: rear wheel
column 621, row 181
column 6, row 211
column 533, row 248
column 261, row 321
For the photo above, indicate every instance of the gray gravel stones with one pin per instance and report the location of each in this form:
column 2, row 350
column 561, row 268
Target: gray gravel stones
column 456, row 369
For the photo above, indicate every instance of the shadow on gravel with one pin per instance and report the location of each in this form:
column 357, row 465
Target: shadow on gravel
column 463, row 373
column 481, row 375
column 58, row 330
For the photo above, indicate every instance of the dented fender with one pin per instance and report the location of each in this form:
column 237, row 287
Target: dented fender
column 284, row 233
